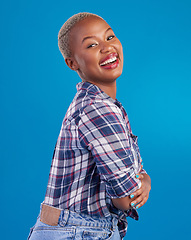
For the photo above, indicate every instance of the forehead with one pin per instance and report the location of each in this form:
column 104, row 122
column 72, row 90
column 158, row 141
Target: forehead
column 90, row 26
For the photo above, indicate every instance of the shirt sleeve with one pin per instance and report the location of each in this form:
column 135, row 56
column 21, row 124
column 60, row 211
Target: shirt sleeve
column 103, row 131
column 143, row 171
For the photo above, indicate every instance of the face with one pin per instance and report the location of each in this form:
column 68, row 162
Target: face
column 97, row 53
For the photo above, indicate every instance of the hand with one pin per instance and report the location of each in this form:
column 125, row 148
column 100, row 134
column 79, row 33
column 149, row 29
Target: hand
column 140, row 196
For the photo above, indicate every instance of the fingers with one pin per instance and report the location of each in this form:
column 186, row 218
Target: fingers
column 140, row 196
column 140, row 200
column 139, row 203
column 139, row 176
column 136, row 193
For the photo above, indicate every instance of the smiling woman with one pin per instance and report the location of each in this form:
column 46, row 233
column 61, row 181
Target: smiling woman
column 96, row 164
column 97, row 54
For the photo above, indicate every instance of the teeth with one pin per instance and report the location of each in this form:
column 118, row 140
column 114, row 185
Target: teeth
column 109, row 61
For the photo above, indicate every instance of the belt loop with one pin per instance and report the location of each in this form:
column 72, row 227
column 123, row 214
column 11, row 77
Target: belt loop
column 114, row 223
column 64, row 217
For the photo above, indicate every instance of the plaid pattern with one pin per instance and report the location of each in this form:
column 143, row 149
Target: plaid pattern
column 96, row 157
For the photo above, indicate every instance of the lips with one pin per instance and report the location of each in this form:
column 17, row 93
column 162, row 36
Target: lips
column 111, row 61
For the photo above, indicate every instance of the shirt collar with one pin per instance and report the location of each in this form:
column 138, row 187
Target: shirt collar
column 87, row 86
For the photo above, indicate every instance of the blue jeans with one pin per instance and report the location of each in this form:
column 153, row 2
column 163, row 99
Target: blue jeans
column 75, row 226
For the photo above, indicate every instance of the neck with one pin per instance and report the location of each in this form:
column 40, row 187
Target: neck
column 109, row 88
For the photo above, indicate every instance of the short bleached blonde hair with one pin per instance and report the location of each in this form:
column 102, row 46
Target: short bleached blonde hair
column 64, row 33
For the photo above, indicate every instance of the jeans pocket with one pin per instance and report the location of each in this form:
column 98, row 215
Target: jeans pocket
column 93, row 234
column 43, row 231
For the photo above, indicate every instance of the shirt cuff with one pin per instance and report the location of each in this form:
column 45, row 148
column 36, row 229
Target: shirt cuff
column 143, row 171
column 123, row 186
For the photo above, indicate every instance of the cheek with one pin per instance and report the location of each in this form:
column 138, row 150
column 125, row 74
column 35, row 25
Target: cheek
column 121, row 53
column 87, row 65
column 119, row 46
column 80, row 60
column 85, row 59
column 90, row 62
column 121, row 49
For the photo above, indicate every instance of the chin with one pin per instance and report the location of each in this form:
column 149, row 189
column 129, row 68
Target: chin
column 116, row 75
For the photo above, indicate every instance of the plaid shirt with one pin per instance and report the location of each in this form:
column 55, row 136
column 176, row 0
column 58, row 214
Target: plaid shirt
column 96, row 157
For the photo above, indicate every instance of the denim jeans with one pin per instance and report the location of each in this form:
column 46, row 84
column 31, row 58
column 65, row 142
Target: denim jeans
column 76, row 226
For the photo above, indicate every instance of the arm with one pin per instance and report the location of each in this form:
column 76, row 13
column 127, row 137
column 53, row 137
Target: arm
column 140, row 196
column 123, row 203
column 103, row 131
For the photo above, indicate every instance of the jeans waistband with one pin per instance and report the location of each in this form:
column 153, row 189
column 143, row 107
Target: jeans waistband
column 54, row 216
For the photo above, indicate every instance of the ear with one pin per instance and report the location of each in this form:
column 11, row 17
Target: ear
column 71, row 63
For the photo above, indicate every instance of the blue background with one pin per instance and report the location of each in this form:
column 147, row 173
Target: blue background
column 36, row 88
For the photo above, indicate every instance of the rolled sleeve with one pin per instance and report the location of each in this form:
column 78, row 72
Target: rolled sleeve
column 143, row 171
column 104, row 132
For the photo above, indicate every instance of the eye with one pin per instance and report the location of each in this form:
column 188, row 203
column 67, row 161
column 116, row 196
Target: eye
column 92, row 45
column 110, row 37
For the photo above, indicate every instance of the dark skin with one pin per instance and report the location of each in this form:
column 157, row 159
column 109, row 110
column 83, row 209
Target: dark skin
column 140, row 196
column 92, row 41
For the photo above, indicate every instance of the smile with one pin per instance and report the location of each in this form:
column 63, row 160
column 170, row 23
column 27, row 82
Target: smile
column 111, row 60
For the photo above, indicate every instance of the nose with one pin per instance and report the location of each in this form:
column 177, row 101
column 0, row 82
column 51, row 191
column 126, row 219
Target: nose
column 105, row 47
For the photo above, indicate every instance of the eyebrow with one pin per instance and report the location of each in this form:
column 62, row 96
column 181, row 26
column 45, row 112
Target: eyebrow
column 94, row 36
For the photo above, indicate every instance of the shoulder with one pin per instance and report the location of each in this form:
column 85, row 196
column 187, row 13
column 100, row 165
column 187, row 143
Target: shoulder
column 101, row 110
column 102, row 106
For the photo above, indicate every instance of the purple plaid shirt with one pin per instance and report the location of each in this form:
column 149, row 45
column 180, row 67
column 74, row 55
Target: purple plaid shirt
column 96, row 157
